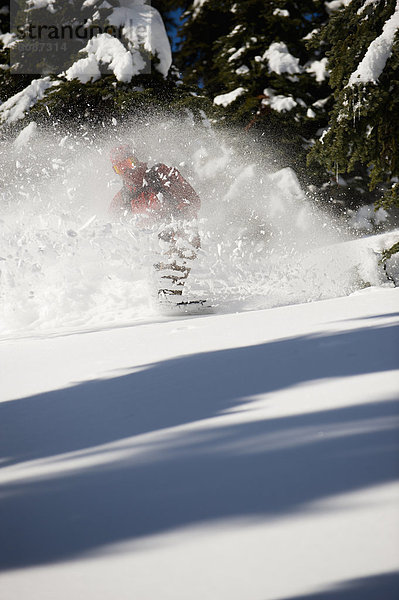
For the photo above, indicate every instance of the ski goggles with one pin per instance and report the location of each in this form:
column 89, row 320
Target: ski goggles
column 127, row 163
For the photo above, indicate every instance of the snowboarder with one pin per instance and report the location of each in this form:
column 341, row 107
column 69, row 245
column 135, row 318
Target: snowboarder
column 159, row 192
column 164, row 198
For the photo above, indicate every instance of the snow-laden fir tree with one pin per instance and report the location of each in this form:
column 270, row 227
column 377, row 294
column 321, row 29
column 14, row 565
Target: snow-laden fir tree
column 5, row 36
column 203, row 23
column 10, row 83
column 122, row 66
column 5, row 39
column 257, row 66
column 363, row 130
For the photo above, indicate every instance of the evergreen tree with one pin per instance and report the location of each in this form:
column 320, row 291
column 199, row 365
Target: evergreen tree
column 258, row 51
column 54, row 32
column 362, row 134
column 170, row 9
column 135, row 79
column 203, row 23
column 4, row 52
column 10, row 83
column 32, row 49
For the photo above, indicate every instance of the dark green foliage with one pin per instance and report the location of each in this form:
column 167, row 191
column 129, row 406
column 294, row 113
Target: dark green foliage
column 390, row 199
column 363, row 132
column 10, row 83
column 200, row 31
column 73, row 104
column 54, row 37
column 364, row 123
column 4, row 16
column 212, row 36
column 387, row 254
column 168, row 9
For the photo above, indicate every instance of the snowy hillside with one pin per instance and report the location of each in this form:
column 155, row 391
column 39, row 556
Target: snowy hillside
column 233, row 456
column 246, row 455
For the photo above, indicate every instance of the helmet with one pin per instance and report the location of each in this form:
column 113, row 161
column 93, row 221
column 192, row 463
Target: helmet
column 123, row 159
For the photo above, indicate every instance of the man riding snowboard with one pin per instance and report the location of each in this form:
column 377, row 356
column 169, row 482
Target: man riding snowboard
column 162, row 196
column 158, row 192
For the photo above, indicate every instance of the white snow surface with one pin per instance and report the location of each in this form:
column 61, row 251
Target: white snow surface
column 236, row 53
column 336, row 5
column 379, row 51
column 7, row 39
column 243, row 70
column 281, row 60
column 278, row 102
column 143, row 25
column 37, row 4
column 366, row 217
column 319, row 69
column 25, row 137
column 86, row 69
column 17, row 106
column 197, row 7
column 107, row 50
column 226, row 99
column 311, row 34
column 366, row 4
column 281, row 12
column 249, row 455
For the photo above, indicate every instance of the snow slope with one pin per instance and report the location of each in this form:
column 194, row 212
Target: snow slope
column 250, row 455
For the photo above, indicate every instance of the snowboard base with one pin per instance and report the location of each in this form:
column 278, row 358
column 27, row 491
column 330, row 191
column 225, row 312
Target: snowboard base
column 185, row 307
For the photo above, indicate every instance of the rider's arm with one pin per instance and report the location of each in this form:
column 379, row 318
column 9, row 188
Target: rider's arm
column 173, row 183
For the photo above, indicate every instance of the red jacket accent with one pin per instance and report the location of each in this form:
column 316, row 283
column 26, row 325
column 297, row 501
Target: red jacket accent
column 159, row 191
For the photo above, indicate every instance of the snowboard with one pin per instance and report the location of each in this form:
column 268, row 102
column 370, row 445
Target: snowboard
column 181, row 306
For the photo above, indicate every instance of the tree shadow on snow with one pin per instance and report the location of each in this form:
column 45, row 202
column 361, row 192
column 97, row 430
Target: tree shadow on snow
column 377, row 587
column 252, row 469
column 393, row 315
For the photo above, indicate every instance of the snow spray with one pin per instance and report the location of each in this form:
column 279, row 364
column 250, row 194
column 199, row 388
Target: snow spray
column 66, row 263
